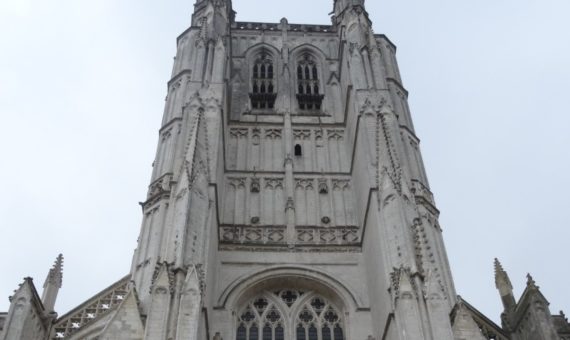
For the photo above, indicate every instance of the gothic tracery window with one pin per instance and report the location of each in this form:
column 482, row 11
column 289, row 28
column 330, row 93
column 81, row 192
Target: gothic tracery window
column 289, row 315
column 308, row 92
column 263, row 84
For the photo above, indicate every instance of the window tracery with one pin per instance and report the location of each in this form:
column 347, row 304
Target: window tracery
column 263, row 93
column 289, row 314
column 309, row 94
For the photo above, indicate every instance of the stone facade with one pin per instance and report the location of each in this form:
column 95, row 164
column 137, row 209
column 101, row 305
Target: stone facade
column 288, row 200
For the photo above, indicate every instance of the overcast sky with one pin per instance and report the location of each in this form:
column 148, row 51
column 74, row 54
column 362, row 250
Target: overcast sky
column 82, row 87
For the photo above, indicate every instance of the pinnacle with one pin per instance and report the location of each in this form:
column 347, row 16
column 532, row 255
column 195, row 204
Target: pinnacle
column 55, row 275
column 501, row 277
column 530, row 281
column 498, row 265
column 59, row 263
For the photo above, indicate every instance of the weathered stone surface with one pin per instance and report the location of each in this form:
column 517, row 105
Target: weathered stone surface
column 288, row 188
column 126, row 323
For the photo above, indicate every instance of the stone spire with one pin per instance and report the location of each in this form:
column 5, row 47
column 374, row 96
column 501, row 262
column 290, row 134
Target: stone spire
column 503, row 284
column 53, row 284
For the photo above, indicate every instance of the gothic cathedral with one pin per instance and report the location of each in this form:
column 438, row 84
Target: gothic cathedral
column 288, row 201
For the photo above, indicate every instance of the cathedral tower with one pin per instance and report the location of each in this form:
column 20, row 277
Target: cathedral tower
column 288, row 199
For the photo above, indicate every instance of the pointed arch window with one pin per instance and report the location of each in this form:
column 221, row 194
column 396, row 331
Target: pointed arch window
column 260, row 320
column 309, row 94
column 289, row 315
column 263, row 94
column 319, row 320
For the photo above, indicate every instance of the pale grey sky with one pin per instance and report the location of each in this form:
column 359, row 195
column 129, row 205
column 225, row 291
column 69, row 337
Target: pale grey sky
column 82, row 86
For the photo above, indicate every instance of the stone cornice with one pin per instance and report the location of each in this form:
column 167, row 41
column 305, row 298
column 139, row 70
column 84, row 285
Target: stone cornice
column 385, row 38
column 178, row 76
column 186, row 31
column 399, row 85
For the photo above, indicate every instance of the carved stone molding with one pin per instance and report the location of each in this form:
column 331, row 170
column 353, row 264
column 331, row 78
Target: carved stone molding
column 239, row 132
column 273, row 134
column 335, row 135
column 160, row 186
column 304, row 183
column 256, row 136
column 252, row 234
column 375, row 105
column 237, row 182
column 397, row 278
column 275, row 235
column 323, row 186
column 273, row 183
column 341, row 184
column 302, row 134
column 255, row 186
column 327, row 236
column 157, row 271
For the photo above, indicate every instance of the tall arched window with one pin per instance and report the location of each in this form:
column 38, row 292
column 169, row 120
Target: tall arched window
column 319, row 320
column 308, row 92
column 289, row 315
column 263, row 85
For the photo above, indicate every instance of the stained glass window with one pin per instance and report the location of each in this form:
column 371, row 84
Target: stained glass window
column 312, row 317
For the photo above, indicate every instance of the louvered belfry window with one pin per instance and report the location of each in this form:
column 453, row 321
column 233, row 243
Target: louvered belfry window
column 309, row 94
column 289, row 315
column 263, row 84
